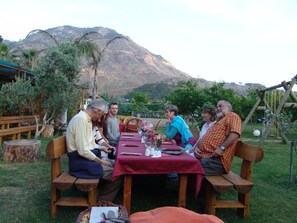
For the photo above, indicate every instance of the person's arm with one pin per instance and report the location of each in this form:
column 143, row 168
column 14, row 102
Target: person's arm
column 230, row 139
column 82, row 141
column 171, row 132
column 109, row 129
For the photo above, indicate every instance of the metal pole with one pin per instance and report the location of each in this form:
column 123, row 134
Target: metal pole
column 291, row 162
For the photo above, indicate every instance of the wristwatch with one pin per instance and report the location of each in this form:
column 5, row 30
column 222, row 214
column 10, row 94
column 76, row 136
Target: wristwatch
column 222, row 148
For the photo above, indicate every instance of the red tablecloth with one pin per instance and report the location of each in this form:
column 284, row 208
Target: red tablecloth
column 131, row 164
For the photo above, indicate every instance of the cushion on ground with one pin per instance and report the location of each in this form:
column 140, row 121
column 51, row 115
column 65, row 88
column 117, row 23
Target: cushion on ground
column 172, row 215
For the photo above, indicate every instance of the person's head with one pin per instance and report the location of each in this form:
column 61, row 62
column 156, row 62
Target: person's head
column 113, row 108
column 97, row 108
column 223, row 107
column 208, row 112
column 171, row 111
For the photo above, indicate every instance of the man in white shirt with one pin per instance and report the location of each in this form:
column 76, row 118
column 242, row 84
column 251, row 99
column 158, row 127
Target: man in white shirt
column 84, row 159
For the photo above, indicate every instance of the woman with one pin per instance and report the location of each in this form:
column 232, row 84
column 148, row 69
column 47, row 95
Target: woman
column 208, row 114
column 178, row 130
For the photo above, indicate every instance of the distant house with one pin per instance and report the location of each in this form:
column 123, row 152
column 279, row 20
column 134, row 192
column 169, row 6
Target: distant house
column 8, row 71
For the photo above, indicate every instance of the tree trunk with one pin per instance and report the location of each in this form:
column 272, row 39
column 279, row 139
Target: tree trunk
column 48, row 131
column 24, row 150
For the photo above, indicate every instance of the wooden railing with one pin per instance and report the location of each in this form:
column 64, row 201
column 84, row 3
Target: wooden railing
column 14, row 126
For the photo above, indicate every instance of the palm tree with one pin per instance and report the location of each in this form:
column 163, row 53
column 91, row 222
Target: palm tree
column 43, row 32
column 29, row 58
column 4, row 52
column 89, row 48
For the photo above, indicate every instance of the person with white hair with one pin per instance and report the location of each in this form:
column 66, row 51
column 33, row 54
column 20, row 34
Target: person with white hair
column 84, row 157
column 216, row 148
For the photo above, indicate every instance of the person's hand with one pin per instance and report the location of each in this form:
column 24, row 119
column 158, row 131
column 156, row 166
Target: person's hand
column 105, row 162
column 197, row 153
column 217, row 152
column 106, row 150
column 173, row 141
column 191, row 150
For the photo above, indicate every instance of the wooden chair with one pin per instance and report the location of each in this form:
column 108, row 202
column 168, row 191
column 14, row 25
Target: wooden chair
column 158, row 124
column 195, row 133
column 61, row 180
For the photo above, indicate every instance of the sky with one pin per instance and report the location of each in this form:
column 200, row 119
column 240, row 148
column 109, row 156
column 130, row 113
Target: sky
column 240, row 41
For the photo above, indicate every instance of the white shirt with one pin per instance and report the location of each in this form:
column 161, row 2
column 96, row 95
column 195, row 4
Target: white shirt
column 80, row 137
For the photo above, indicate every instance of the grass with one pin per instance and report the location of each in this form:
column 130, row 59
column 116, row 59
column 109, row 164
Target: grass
column 25, row 189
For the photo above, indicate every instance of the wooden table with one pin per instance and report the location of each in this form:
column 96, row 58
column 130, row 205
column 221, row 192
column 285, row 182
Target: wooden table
column 129, row 165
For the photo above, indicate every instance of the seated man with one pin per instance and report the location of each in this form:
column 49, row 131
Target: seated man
column 84, row 160
column 217, row 147
column 113, row 128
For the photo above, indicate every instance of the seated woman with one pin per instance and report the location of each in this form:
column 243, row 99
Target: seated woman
column 208, row 114
column 178, row 130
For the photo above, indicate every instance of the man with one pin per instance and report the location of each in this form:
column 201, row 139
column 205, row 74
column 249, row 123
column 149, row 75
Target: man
column 217, row 147
column 113, row 128
column 84, row 160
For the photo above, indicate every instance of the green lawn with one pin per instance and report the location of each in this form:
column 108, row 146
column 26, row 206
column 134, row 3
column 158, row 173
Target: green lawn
column 25, row 189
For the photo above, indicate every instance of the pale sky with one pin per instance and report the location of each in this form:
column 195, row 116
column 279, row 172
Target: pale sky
column 241, row 41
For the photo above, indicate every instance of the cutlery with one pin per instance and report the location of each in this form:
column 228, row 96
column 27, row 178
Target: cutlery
column 130, row 153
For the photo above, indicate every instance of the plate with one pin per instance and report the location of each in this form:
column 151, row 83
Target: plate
column 170, row 152
column 171, row 149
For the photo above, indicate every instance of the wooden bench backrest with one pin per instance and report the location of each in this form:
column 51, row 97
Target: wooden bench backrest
column 56, row 148
column 249, row 154
column 5, row 121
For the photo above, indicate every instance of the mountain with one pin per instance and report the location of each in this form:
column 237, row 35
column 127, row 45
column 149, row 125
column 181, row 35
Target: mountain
column 125, row 65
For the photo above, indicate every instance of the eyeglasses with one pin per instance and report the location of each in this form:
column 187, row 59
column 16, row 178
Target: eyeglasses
column 97, row 111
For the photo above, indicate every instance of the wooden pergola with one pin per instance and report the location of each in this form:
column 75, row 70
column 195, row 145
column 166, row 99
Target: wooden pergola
column 287, row 86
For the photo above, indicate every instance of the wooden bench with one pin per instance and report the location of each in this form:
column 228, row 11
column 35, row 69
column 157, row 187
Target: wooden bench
column 61, row 180
column 14, row 126
column 216, row 185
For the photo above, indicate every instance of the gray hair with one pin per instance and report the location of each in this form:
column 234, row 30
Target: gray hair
column 172, row 108
column 227, row 103
column 98, row 104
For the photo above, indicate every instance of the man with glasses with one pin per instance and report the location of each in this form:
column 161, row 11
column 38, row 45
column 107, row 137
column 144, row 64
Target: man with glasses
column 217, row 147
column 84, row 159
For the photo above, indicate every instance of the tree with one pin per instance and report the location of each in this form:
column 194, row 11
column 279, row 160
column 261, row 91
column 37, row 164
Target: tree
column 139, row 100
column 28, row 58
column 186, row 97
column 86, row 48
column 54, row 79
column 91, row 49
column 4, row 52
column 17, row 96
column 53, row 90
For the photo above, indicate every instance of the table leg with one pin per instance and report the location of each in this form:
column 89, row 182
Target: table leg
column 182, row 190
column 127, row 192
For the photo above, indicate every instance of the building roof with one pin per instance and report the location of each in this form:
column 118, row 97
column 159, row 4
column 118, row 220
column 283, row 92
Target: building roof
column 8, row 71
